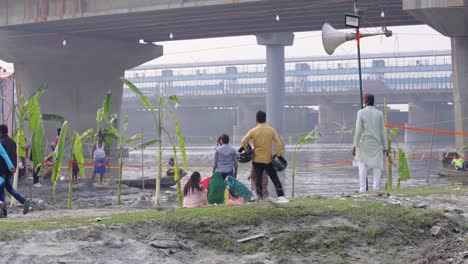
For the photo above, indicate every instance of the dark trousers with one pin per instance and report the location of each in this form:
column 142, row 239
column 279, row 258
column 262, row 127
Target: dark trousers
column 225, row 174
column 259, row 168
column 36, row 175
column 8, row 185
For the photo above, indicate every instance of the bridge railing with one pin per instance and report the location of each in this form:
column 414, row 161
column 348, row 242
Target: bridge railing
column 296, row 86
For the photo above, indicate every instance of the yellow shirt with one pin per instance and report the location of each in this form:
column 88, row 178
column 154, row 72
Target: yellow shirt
column 263, row 137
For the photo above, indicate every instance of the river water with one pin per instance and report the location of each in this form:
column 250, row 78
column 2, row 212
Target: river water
column 324, row 169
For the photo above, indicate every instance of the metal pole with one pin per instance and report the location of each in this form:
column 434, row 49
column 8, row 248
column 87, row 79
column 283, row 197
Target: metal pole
column 358, row 40
column 432, row 143
column 142, row 160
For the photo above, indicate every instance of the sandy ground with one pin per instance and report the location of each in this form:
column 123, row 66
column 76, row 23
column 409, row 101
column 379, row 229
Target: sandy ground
column 155, row 243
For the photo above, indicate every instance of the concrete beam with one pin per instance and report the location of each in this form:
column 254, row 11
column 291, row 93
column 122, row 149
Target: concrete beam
column 448, row 17
column 26, row 11
column 78, row 75
column 154, row 20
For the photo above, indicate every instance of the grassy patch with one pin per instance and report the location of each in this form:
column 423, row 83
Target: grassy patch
column 299, row 227
column 56, row 223
column 426, row 191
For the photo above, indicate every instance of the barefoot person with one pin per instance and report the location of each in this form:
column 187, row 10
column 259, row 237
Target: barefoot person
column 8, row 162
column 263, row 137
column 370, row 143
column 99, row 154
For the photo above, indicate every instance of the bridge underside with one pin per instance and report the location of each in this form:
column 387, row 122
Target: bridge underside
column 128, row 20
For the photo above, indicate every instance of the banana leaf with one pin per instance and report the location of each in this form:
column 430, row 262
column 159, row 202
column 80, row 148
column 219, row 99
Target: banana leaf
column 403, row 168
column 180, row 197
column 35, row 113
column 147, row 144
column 59, row 152
column 137, row 91
column 53, row 117
column 133, row 139
column 78, row 151
column 86, row 134
column 106, row 105
column 20, row 141
column 180, row 137
column 37, row 143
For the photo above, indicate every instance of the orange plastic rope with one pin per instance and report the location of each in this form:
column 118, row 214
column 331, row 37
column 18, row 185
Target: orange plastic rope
column 428, row 130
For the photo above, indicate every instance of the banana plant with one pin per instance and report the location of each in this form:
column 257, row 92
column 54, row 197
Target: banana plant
column 29, row 111
column 123, row 142
column 404, row 173
column 310, row 137
column 75, row 152
column 157, row 114
column 58, row 157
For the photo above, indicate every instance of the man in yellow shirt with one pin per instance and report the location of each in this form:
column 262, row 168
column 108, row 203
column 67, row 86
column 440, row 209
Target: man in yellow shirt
column 263, row 137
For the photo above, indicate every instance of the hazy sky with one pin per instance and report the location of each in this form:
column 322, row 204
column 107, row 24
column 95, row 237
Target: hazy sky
column 409, row 38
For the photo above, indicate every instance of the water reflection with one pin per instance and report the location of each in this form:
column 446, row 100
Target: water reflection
column 324, row 169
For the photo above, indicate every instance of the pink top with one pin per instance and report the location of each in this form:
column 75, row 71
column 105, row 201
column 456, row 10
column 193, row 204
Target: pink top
column 195, row 199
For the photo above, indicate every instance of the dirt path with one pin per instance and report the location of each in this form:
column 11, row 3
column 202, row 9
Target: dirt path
column 345, row 229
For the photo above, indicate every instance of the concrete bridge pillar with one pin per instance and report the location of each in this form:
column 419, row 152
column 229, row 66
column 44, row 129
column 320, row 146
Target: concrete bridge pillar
column 334, row 117
column 78, row 74
column 420, row 115
column 460, row 87
column 328, row 118
column 246, row 120
column 275, row 68
column 449, row 18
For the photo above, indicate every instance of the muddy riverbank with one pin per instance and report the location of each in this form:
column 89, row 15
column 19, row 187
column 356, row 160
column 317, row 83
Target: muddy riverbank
column 410, row 226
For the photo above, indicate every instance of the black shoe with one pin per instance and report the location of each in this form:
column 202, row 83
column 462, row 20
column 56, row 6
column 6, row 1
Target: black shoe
column 3, row 211
column 26, row 207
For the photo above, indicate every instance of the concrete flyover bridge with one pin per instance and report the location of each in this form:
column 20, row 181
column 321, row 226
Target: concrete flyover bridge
column 102, row 40
column 319, row 91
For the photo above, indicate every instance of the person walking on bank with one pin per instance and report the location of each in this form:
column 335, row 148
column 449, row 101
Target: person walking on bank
column 8, row 162
column 370, row 143
column 225, row 158
column 263, row 137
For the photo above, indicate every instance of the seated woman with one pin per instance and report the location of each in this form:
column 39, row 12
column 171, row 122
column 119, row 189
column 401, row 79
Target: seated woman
column 216, row 189
column 194, row 193
column 237, row 190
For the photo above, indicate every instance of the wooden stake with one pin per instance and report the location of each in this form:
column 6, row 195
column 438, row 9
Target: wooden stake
column 389, row 182
column 432, row 144
column 142, row 160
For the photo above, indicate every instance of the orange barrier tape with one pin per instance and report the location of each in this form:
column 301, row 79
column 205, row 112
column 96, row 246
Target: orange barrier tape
column 428, row 130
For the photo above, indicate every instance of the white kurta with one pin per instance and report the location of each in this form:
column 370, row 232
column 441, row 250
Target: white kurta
column 370, row 138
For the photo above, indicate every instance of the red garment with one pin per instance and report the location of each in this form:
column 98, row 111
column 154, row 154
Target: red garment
column 205, row 182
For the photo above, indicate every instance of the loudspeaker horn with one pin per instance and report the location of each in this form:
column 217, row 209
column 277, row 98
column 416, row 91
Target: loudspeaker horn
column 332, row 38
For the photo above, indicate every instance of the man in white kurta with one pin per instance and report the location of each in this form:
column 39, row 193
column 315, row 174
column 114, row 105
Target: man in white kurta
column 370, row 143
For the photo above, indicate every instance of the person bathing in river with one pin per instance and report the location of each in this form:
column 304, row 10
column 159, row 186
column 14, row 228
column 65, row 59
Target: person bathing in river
column 99, row 155
column 170, row 169
column 194, row 192
column 458, row 163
